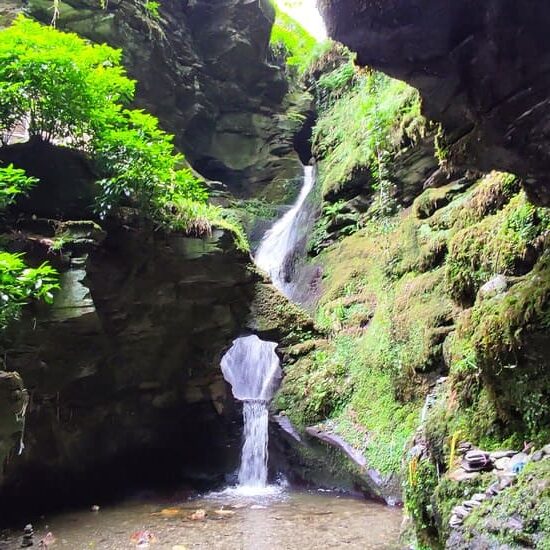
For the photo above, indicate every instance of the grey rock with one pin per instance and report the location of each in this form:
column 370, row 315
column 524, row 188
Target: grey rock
column 502, row 463
column 537, row 456
column 496, row 285
column 460, row 511
column 495, row 455
column 470, row 504
column 455, row 521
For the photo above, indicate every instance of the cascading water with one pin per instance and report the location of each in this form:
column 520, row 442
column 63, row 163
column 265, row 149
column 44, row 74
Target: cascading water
column 277, row 253
column 251, row 365
column 252, row 368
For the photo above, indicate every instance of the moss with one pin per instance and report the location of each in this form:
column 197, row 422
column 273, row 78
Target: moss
column 518, row 516
column 433, row 199
column 276, row 317
column 419, row 487
column 504, row 243
column 487, row 196
column 314, row 388
column 503, row 341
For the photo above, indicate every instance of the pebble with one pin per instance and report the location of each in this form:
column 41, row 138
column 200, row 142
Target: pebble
column 455, row 522
column 480, row 497
column 537, row 456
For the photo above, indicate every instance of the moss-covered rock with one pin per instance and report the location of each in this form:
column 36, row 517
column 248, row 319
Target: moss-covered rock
column 518, row 517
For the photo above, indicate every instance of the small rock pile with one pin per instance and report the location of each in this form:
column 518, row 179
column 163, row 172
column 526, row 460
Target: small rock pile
column 505, row 464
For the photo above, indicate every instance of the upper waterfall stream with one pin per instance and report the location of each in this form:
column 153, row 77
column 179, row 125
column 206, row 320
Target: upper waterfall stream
column 251, row 365
column 277, row 254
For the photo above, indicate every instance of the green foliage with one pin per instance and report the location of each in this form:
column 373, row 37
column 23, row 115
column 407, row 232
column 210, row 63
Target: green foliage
column 74, row 91
column 419, row 489
column 290, row 41
column 13, row 183
column 498, row 244
column 152, row 8
column 356, row 132
column 137, row 159
column 56, row 81
column 19, row 284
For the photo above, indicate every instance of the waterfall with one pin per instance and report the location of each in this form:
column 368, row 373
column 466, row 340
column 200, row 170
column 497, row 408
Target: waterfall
column 280, row 247
column 252, row 368
column 251, row 365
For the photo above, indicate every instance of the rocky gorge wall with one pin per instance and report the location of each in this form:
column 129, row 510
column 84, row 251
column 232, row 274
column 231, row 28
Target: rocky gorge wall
column 482, row 70
column 203, row 69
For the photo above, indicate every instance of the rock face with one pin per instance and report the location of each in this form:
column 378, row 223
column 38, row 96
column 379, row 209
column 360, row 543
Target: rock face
column 201, row 67
column 482, row 69
column 123, row 370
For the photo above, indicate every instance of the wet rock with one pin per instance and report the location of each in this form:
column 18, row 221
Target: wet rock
column 13, row 405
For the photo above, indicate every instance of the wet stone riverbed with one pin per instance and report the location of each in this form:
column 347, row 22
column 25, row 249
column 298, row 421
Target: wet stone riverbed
column 230, row 520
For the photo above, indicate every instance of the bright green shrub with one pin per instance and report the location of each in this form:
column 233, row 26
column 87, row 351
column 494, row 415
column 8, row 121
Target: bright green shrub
column 57, row 82
column 292, row 42
column 13, row 182
column 137, row 159
column 19, row 284
column 76, row 92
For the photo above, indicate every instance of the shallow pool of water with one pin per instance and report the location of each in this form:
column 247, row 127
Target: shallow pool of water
column 229, row 520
